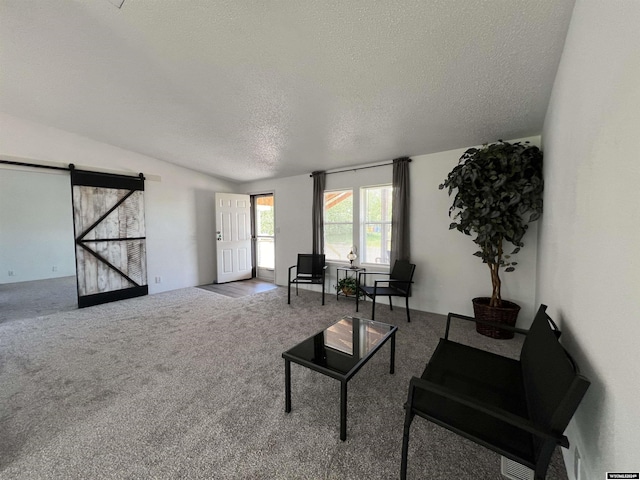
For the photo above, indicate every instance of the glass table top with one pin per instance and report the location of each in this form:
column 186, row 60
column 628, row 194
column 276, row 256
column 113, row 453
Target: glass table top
column 343, row 345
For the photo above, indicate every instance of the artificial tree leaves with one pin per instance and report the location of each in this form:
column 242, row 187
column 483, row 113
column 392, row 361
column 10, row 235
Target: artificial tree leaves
column 496, row 186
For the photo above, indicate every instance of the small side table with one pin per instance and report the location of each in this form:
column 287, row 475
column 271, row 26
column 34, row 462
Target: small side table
column 346, row 272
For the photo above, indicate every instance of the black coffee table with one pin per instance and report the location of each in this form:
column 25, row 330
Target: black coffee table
column 339, row 352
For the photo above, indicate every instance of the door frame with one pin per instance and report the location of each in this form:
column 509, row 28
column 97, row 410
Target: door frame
column 254, row 237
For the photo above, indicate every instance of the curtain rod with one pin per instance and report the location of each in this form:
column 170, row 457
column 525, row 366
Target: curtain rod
column 71, row 167
column 33, row 165
column 358, row 168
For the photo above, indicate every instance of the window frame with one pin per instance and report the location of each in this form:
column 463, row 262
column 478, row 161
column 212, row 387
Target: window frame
column 325, row 223
column 358, row 222
column 362, row 227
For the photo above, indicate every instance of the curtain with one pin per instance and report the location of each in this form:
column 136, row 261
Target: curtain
column 317, row 215
column 400, row 248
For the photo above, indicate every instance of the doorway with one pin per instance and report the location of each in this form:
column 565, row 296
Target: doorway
column 37, row 262
column 264, row 240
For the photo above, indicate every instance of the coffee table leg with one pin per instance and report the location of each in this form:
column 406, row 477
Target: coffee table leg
column 287, row 386
column 393, row 353
column 343, row 410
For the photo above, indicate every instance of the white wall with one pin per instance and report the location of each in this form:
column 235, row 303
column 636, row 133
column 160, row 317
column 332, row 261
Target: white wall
column 36, row 225
column 178, row 206
column 589, row 262
column 292, row 210
column 447, row 275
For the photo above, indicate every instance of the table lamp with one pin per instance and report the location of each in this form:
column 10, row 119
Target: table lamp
column 352, row 256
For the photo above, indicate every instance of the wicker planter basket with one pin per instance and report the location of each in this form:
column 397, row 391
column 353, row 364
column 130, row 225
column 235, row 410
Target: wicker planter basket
column 506, row 314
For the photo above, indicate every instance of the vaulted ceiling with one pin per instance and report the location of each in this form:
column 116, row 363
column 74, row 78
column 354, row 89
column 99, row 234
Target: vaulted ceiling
column 246, row 90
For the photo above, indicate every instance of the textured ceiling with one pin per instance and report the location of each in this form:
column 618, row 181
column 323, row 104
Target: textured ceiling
column 255, row 89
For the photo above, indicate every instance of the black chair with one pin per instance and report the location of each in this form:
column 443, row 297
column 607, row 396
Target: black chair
column 310, row 269
column 517, row 408
column 397, row 285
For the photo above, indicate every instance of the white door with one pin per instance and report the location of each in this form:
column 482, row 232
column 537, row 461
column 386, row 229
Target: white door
column 233, row 237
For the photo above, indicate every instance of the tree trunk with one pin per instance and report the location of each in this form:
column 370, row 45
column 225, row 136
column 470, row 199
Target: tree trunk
column 496, row 299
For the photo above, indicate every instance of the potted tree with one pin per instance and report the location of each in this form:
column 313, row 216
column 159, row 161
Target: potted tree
column 498, row 192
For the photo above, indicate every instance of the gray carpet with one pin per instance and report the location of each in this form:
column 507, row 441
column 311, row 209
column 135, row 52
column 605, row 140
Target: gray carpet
column 37, row 297
column 190, row 384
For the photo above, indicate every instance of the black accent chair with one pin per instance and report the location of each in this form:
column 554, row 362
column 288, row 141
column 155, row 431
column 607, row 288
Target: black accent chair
column 397, row 285
column 517, row 408
column 310, row 269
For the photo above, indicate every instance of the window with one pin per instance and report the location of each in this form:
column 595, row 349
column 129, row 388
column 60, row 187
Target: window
column 375, row 234
column 369, row 233
column 338, row 224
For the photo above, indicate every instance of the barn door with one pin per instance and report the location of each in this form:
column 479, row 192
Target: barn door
column 108, row 221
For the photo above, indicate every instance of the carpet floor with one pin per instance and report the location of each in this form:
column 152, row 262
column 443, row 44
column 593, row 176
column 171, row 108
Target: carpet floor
column 37, row 298
column 190, row 384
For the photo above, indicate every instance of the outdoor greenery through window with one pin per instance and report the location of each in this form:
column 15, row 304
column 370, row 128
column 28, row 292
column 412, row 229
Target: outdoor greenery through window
column 265, row 232
column 264, row 219
column 338, row 224
column 369, row 233
column 375, row 236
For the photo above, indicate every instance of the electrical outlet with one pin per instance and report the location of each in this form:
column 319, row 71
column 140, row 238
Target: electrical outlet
column 12, row 273
column 54, row 268
column 158, row 279
column 577, row 465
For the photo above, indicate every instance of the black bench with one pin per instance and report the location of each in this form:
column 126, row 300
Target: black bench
column 517, row 408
